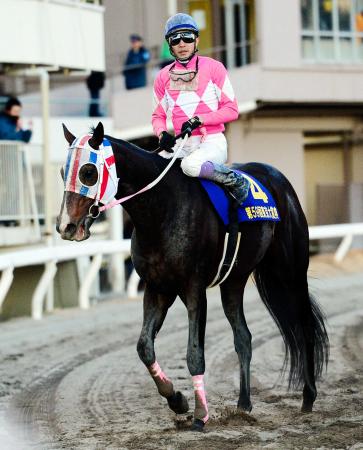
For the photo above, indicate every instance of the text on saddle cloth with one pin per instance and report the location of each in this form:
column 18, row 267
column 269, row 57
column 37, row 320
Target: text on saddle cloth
column 259, row 205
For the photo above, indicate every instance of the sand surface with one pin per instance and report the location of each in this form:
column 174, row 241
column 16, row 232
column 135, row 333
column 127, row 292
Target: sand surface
column 74, row 379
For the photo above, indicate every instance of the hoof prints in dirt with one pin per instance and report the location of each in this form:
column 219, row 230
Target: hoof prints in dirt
column 119, row 408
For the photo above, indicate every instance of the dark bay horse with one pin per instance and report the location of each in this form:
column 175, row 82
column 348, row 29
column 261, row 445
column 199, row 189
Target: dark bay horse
column 176, row 248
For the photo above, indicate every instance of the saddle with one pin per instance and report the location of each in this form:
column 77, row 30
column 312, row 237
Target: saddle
column 259, row 205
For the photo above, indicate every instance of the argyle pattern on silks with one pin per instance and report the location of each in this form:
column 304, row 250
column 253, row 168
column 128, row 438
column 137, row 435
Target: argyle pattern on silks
column 213, row 101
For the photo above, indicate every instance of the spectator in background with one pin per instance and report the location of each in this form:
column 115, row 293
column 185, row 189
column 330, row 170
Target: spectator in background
column 135, row 64
column 10, row 123
column 95, row 82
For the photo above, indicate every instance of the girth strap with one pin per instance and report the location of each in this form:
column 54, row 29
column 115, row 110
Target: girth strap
column 230, row 250
column 231, row 245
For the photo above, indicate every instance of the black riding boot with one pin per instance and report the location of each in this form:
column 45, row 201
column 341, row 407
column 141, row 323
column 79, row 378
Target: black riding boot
column 236, row 184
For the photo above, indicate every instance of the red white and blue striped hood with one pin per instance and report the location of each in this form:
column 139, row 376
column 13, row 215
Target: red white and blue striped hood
column 81, row 153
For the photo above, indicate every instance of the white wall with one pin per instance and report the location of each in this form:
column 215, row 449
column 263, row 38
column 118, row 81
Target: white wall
column 68, row 34
column 278, row 28
column 270, row 143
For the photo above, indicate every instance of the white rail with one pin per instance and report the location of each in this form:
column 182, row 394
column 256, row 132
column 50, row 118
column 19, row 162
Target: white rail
column 50, row 256
column 343, row 230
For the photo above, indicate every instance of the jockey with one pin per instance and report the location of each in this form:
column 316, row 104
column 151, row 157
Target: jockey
column 196, row 92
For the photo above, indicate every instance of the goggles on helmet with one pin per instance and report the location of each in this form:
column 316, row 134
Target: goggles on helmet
column 186, row 36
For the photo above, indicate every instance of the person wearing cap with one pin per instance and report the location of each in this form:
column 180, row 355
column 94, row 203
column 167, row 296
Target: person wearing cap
column 10, row 123
column 135, row 65
column 197, row 93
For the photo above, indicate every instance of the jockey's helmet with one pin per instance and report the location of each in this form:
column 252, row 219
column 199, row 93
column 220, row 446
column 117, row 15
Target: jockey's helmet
column 180, row 22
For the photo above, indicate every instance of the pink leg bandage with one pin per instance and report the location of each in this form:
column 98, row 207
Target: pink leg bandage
column 164, row 385
column 201, row 406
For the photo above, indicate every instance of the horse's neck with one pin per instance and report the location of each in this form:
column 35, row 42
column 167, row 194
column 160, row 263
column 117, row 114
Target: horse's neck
column 136, row 169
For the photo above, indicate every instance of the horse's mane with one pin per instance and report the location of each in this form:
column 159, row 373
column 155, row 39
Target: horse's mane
column 150, row 157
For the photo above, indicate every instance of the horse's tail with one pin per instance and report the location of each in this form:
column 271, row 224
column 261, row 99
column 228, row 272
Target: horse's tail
column 281, row 279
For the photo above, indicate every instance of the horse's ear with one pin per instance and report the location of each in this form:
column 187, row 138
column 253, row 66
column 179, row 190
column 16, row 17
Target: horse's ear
column 97, row 137
column 68, row 135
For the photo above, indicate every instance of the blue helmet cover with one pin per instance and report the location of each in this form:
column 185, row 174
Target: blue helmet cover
column 180, row 21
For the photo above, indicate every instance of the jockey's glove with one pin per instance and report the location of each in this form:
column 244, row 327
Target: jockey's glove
column 166, row 142
column 190, row 125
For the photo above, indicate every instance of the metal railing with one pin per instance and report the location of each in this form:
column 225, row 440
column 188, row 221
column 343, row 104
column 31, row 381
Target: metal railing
column 17, row 192
column 50, row 256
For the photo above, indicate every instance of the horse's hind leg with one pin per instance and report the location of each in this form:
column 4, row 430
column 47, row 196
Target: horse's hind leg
column 156, row 306
column 232, row 300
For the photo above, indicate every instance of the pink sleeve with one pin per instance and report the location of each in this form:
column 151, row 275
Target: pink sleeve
column 158, row 118
column 227, row 103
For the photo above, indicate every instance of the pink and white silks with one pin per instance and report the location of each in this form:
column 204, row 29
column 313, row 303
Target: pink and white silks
column 166, row 389
column 213, row 101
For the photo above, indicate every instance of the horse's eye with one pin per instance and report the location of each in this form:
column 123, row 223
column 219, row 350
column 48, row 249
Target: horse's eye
column 88, row 174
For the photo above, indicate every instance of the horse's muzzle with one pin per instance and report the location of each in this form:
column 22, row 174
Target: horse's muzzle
column 79, row 232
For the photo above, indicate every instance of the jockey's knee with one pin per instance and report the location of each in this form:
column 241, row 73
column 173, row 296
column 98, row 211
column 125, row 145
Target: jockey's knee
column 190, row 168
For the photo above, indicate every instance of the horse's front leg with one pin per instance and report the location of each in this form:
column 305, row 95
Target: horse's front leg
column 156, row 306
column 196, row 303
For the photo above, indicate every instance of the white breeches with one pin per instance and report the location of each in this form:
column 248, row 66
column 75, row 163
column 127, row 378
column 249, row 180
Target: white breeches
column 195, row 153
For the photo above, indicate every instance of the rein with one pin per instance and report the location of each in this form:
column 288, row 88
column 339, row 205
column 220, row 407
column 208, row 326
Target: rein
column 144, row 189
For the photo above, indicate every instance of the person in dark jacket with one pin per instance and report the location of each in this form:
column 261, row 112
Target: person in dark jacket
column 10, row 123
column 135, row 64
column 95, row 82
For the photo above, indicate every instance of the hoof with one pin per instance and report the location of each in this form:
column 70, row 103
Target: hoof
column 247, row 407
column 178, row 403
column 198, row 425
column 307, row 408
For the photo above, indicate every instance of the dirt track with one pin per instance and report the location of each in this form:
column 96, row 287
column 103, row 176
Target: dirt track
column 74, row 380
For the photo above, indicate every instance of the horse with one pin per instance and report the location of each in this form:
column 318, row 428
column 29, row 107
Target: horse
column 176, row 247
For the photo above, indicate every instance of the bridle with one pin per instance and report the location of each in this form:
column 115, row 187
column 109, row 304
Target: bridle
column 153, row 183
column 101, row 189
column 101, row 163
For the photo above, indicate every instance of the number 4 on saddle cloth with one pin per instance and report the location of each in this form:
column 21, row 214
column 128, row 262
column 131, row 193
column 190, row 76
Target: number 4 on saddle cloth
column 259, row 205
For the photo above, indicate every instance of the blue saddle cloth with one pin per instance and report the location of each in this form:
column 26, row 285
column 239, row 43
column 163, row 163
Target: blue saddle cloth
column 259, row 204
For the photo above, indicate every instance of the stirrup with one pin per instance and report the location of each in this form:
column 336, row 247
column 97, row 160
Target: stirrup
column 236, row 200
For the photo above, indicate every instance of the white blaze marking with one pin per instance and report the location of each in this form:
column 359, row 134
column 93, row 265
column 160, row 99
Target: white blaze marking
column 64, row 218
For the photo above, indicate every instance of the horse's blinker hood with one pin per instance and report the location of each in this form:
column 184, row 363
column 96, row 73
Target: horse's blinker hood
column 91, row 172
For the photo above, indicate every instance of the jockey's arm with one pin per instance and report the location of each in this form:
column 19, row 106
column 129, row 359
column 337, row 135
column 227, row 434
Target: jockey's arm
column 158, row 118
column 227, row 106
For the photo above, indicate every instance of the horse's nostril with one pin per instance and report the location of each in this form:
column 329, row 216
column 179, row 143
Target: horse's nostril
column 70, row 229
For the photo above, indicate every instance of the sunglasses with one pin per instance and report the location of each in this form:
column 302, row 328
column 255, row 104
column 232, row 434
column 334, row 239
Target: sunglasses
column 187, row 37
